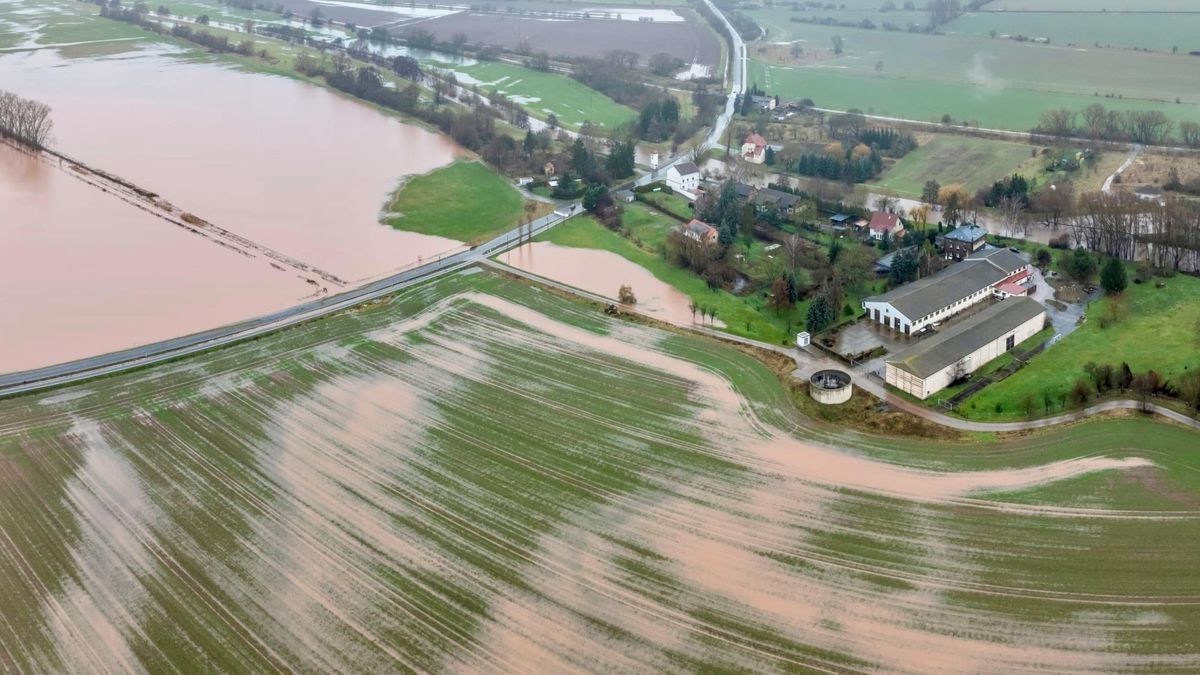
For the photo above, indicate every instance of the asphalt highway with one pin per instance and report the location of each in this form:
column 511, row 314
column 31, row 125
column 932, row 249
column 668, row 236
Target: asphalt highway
column 166, row 350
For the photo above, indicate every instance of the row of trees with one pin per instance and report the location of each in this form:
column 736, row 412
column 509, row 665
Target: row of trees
column 1120, row 225
column 24, row 119
column 1151, row 127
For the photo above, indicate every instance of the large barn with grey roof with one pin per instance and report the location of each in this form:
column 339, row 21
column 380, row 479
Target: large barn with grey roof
column 933, row 364
column 911, row 307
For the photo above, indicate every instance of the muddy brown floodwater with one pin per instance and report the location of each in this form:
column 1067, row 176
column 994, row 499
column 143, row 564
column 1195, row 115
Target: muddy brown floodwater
column 602, row 273
column 289, row 166
column 84, row 273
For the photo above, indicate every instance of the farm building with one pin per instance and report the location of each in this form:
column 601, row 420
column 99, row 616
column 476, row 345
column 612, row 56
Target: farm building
column 934, row 364
column 743, row 191
column 698, row 231
column 683, row 177
column 963, row 241
column 754, row 149
column 885, row 224
column 912, row 307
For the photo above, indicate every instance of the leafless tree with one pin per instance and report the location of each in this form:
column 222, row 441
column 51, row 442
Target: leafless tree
column 25, row 120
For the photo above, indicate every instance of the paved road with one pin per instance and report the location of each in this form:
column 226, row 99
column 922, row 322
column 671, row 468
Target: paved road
column 136, row 357
column 1133, row 155
column 145, row 355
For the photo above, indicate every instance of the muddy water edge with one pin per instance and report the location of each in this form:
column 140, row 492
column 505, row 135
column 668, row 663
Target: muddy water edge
column 293, row 169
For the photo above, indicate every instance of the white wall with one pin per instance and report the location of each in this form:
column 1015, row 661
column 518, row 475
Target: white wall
column 923, row 389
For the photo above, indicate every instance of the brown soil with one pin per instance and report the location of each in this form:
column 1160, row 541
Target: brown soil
column 1067, row 291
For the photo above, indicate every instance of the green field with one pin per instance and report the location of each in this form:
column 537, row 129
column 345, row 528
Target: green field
column 1154, row 31
column 466, row 201
column 973, row 162
column 1159, row 333
column 431, row 482
column 994, row 83
column 544, row 93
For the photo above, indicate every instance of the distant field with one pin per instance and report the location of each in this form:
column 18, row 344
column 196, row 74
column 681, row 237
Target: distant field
column 974, row 162
column 1153, row 31
column 1093, row 5
column 1000, row 83
column 1158, row 333
column 466, row 201
column 544, row 93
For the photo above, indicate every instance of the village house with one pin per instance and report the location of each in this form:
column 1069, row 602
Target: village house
column 683, row 177
column 963, row 241
column 765, row 102
column 884, row 224
column 934, row 364
column 743, row 191
column 911, row 307
column 783, row 202
column 754, row 149
column 698, row 231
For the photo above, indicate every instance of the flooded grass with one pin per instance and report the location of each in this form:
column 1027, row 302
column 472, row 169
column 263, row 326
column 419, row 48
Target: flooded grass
column 481, row 474
column 466, row 201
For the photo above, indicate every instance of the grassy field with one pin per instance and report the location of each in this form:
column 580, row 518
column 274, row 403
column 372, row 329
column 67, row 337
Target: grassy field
column 974, row 162
column 1159, row 333
column 466, row 201
column 1153, row 31
column 992, row 82
column 544, row 93
column 432, row 481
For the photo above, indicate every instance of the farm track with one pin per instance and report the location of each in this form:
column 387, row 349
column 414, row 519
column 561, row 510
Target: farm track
column 434, row 483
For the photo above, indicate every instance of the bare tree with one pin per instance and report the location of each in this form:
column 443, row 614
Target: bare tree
column 25, row 120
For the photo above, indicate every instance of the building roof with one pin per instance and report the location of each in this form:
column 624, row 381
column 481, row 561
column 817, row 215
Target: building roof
column 923, row 297
column 963, row 339
column 967, row 233
column 839, row 218
column 768, row 196
column 686, row 168
column 697, row 228
column 885, row 263
column 884, row 222
column 758, row 141
column 1001, row 258
column 743, row 190
column 1012, row 288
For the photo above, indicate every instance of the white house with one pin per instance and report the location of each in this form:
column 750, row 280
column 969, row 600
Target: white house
column 754, row 149
column 885, row 224
column 934, row 364
column 910, row 307
column 683, row 177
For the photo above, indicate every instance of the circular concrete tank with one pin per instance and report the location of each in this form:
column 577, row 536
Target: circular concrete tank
column 830, row 387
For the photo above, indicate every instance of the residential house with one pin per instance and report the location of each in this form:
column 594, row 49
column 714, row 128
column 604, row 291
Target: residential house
column 754, row 149
column 743, row 191
column 934, row 364
column 912, row 307
column 683, row 177
column 698, row 231
column 883, row 223
column 765, row 102
column 783, row 202
column 883, row 266
column 963, row 241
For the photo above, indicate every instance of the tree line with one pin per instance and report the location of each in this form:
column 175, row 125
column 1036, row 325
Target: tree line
column 24, row 119
column 1149, row 127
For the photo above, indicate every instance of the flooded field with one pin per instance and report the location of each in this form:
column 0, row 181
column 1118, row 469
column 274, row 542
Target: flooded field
column 85, row 273
column 484, row 476
column 278, row 164
column 602, row 273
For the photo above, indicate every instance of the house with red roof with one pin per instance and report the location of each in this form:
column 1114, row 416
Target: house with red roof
column 754, row 149
column 884, row 223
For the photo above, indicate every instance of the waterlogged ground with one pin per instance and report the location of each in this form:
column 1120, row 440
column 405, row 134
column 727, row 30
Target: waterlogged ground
column 481, row 475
